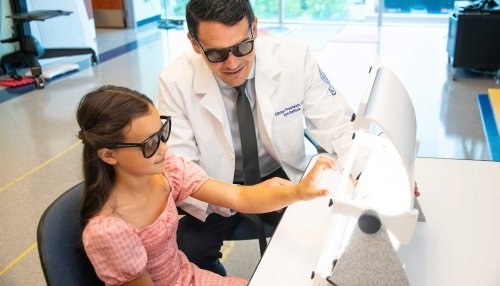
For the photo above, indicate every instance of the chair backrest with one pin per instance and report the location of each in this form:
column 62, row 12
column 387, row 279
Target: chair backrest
column 59, row 235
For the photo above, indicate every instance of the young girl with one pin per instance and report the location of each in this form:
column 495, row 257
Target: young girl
column 132, row 185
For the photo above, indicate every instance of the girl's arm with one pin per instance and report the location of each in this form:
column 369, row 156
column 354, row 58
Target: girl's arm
column 143, row 280
column 264, row 197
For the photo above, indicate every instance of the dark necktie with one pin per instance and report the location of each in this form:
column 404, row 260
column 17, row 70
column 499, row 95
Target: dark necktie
column 248, row 139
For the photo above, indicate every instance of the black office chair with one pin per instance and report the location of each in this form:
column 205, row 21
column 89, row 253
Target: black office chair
column 30, row 50
column 59, row 235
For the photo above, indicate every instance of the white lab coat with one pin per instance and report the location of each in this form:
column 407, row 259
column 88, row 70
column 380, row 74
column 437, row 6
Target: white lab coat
column 290, row 90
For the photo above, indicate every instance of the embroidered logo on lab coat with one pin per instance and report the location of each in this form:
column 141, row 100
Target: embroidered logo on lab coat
column 287, row 111
column 325, row 79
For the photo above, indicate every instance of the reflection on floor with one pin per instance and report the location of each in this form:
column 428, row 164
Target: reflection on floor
column 41, row 154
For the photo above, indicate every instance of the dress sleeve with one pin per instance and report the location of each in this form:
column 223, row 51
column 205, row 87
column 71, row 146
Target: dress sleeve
column 184, row 177
column 114, row 249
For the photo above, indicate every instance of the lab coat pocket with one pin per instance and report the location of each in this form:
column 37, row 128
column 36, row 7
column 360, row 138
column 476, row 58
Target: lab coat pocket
column 288, row 138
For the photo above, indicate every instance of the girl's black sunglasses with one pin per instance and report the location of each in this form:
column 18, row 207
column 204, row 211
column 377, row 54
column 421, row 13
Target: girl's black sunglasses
column 152, row 143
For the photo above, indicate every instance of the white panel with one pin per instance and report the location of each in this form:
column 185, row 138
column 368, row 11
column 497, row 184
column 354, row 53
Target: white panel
column 390, row 107
column 72, row 31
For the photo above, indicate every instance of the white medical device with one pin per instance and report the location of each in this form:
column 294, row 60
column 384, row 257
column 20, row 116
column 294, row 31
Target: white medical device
column 372, row 218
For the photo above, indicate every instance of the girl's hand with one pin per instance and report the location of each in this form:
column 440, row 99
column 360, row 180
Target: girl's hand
column 308, row 188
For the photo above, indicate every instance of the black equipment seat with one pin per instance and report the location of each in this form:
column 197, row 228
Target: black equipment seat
column 38, row 15
column 30, row 49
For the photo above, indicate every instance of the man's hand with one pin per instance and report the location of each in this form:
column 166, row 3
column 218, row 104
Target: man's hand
column 415, row 190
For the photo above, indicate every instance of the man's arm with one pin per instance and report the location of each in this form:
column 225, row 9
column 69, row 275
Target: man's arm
column 328, row 116
column 171, row 102
column 182, row 140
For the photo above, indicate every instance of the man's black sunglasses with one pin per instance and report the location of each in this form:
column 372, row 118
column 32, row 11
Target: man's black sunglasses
column 152, row 143
column 220, row 55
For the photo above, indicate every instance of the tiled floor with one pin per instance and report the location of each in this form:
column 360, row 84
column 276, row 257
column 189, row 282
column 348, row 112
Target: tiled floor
column 40, row 153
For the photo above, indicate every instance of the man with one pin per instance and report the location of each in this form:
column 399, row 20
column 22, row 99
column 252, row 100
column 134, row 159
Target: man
column 285, row 87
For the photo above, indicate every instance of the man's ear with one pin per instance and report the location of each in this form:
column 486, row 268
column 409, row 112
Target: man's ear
column 194, row 44
column 107, row 155
column 254, row 28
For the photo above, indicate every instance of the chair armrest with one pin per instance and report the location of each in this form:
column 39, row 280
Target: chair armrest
column 259, row 228
column 309, row 137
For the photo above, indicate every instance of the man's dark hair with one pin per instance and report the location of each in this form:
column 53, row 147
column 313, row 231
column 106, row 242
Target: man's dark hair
column 227, row 12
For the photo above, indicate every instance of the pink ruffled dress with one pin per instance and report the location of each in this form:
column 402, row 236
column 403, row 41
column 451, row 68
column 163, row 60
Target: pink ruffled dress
column 121, row 252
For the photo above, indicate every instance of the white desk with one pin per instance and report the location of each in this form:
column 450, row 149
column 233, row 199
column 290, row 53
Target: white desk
column 458, row 245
